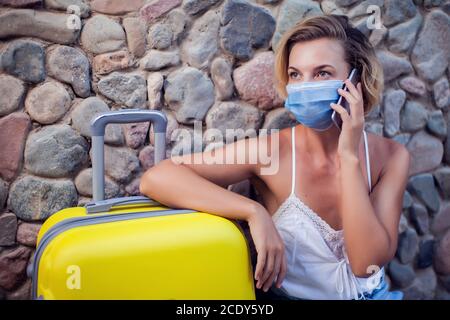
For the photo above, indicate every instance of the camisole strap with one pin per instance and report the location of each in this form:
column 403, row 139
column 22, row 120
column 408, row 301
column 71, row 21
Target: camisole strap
column 293, row 160
column 366, row 147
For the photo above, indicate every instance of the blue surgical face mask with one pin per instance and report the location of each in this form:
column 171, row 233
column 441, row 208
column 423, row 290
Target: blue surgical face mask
column 310, row 102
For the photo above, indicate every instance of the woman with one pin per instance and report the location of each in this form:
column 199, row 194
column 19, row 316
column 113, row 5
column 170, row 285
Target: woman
column 330, row 217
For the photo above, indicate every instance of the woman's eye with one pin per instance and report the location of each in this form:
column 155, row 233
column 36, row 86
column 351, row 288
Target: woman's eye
column 323, row 74
column 293, row 75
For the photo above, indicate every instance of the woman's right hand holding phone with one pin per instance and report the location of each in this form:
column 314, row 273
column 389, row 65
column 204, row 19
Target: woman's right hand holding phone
column 271, row 259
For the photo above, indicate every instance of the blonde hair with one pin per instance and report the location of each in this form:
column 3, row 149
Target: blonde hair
column 359, row 53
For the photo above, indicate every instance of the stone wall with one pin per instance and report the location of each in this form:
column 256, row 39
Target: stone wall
column 65, row 61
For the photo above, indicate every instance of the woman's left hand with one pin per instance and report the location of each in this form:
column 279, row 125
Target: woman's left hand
column 353, row 123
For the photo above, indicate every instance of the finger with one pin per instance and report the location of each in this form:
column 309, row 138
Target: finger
column 341, row 110
column 269, row 267
column 283, row 270
column 274, row 273
column 352, row 89
column 261, row 261
column 347, row 95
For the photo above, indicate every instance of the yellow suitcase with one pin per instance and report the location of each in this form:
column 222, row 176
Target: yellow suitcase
column 136, row 248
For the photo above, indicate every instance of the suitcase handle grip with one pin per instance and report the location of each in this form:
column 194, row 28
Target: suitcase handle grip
column 98, row 125
column 106, row 205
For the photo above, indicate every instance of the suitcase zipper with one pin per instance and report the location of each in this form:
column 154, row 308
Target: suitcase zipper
column 86, row 221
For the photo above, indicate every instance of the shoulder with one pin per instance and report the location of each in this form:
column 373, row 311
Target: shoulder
column 390, row 154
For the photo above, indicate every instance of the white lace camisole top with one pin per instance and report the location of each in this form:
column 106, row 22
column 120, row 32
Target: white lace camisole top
column 317, row 263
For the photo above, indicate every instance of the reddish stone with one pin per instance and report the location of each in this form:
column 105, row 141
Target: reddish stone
column 23, row 293
column 13, row 130
column 27, row 233
column 135, row 30
column 13, row 263
column 8, row 229
column 442, row 255
column 135, row 134
column 20, row 3
column 116, row 6
column 254, row 82
column 157, row 8
column 109, row 62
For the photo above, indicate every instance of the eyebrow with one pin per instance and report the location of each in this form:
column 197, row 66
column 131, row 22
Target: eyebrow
column 316, row 68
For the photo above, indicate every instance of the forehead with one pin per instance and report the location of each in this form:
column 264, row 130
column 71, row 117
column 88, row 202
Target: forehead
column 308, row 54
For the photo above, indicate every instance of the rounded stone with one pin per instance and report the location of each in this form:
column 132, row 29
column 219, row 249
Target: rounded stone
column 83, row 183
column 85, row 111
column 101, row 34
column 159, row 36
column 12, row 91
column 48, row 102
column 32, row 198
column 55, row 151
column 127, row 89
column 442, row 255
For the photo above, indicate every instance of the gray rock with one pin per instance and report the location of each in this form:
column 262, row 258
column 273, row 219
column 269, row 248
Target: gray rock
column 402, row 36
column 426, row 251
column 85, row 111
column 65, row 5
column 155, row 83
column 177, row 20
column 12, row 92
column 403, row 224
column 48, row 102
column 423, row 287
column 55, row 151
column 234, row 119
column 442, row 254
column 172, row 125
column 393, row 66
column 121, row 164
column 441, row 92
column 201, row 44
column 436, row 124
column 402, row 138
column 393, row 103
column 40, row 24
column 193, row 7
column 442, row 176
column 407, row 200
column 3, row 193
column 25, row 60
column 433, row 44
column 8, row 229
column 447, row 147
column 189, row 93
column 290, row 12
column 21, row 3
column 413, row 85
column 426, row 152
column 221, row 75
column 185, row 141
column 419, row 217
column 102, row 34
column 422, row 185
column 70, row 65
column 156, row 60
column 127, row 89
column 402, row 275
column 407, row 246
column 278, row 118
column 375, row 128
column 398, row 11
column 245, row 27
column 330, row 7
column 361, row 9
column 135, row 29
column 413, row 117
column 160, row 36
column 345, row 3
column 32, row 198
column 83, row 183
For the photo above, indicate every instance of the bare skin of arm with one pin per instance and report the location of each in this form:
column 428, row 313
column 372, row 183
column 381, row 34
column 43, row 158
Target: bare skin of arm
column 180, row 183
column 370, row 223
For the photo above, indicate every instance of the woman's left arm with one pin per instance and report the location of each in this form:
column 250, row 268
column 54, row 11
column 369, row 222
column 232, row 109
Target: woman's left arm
column 370, row 223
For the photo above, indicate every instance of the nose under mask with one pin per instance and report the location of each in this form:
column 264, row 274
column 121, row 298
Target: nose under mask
column 310, row 102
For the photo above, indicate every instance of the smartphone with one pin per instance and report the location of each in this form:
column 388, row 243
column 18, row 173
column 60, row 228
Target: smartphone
column 354, row 78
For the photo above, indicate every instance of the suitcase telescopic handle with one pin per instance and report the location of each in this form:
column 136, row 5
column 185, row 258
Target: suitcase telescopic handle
column 98, row 125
